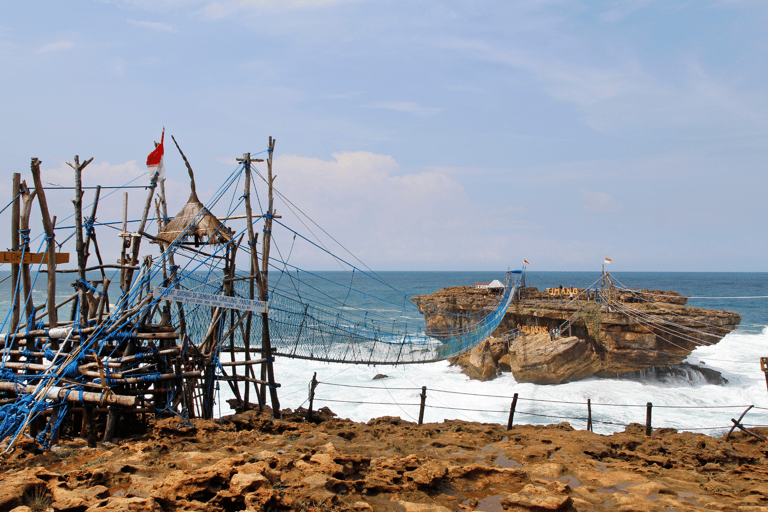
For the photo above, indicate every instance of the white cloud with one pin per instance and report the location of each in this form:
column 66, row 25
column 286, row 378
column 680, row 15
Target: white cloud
column 599, row 202
column 153, row 25
column 382, row 215
column 57, row 46
column 406, row 106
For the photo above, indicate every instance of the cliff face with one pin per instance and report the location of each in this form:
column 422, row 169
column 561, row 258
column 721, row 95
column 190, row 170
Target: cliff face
column 625, row 335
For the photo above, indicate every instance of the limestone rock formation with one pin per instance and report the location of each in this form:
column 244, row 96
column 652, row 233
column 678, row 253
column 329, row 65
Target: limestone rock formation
column 621, row 336
column 481, row 358
column 535, row 358
column 254, row 463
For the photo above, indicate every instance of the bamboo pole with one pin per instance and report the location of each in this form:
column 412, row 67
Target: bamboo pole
column 57, row 393
column 51, row 237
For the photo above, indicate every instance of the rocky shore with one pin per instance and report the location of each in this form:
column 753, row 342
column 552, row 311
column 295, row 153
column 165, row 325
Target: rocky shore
column 633, row 332
column 252, row 462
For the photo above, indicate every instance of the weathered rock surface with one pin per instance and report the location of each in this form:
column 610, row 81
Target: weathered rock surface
column 535, row 358
column 600, row 339
column 251, row 462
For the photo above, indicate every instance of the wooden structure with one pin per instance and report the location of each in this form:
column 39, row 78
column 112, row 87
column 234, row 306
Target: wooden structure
column 83, row 363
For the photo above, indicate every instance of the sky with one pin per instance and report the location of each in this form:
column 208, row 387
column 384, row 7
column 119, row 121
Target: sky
column 421, row 135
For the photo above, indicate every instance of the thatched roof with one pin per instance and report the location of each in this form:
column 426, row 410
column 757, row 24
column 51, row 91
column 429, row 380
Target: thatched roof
column 195, row 221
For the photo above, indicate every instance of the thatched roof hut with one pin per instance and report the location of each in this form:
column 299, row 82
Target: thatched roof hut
column 194, row 220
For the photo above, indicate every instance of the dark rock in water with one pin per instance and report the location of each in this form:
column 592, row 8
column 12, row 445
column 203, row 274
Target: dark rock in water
column 691, row 373
column 380, row 376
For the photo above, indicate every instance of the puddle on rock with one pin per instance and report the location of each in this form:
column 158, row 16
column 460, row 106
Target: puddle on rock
column 570, row 481
column 507, row 463
column 490, row 504
column 613, row 489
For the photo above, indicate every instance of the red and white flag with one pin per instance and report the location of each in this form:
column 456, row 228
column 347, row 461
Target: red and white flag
column 526, row 262
column 155, row 160
column 607, row 260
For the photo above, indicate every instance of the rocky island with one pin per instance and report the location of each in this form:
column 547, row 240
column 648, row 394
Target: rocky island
column 562, row 335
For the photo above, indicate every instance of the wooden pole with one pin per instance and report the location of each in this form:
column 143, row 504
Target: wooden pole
column 589, row 414
column 15, row 267
column 266, row 345
column 745, row 429
column 312, row 387
column 737, row 422
column 229, row 290
column 58, row 393
column 91, row 235
column 512, row 412
column 648, row 408
column 423, row 404
column 112, row 418
column 136, row 240
column 254, row 271
column 51, row 237
column 126, row 242
column 26, row 277
column 79, row 242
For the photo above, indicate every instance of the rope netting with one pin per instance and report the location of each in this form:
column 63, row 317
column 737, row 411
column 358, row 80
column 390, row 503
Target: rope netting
column 303, row 329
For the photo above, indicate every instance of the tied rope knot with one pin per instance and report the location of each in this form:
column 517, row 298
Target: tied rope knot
column 88, row 225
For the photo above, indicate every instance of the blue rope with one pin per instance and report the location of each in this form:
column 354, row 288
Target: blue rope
column 88, row 225
column 9, row 204
column 89, row 286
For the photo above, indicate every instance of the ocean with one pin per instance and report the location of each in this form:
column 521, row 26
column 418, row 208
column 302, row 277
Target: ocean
column 690, row 403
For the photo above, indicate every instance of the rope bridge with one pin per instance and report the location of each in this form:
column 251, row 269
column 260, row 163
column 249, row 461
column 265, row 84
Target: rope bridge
column 305, row 330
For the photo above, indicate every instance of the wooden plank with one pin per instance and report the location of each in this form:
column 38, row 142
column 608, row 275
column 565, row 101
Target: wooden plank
column 14, row 257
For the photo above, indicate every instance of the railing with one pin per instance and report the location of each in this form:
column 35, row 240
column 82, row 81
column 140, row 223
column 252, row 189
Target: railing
column 513, row 410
